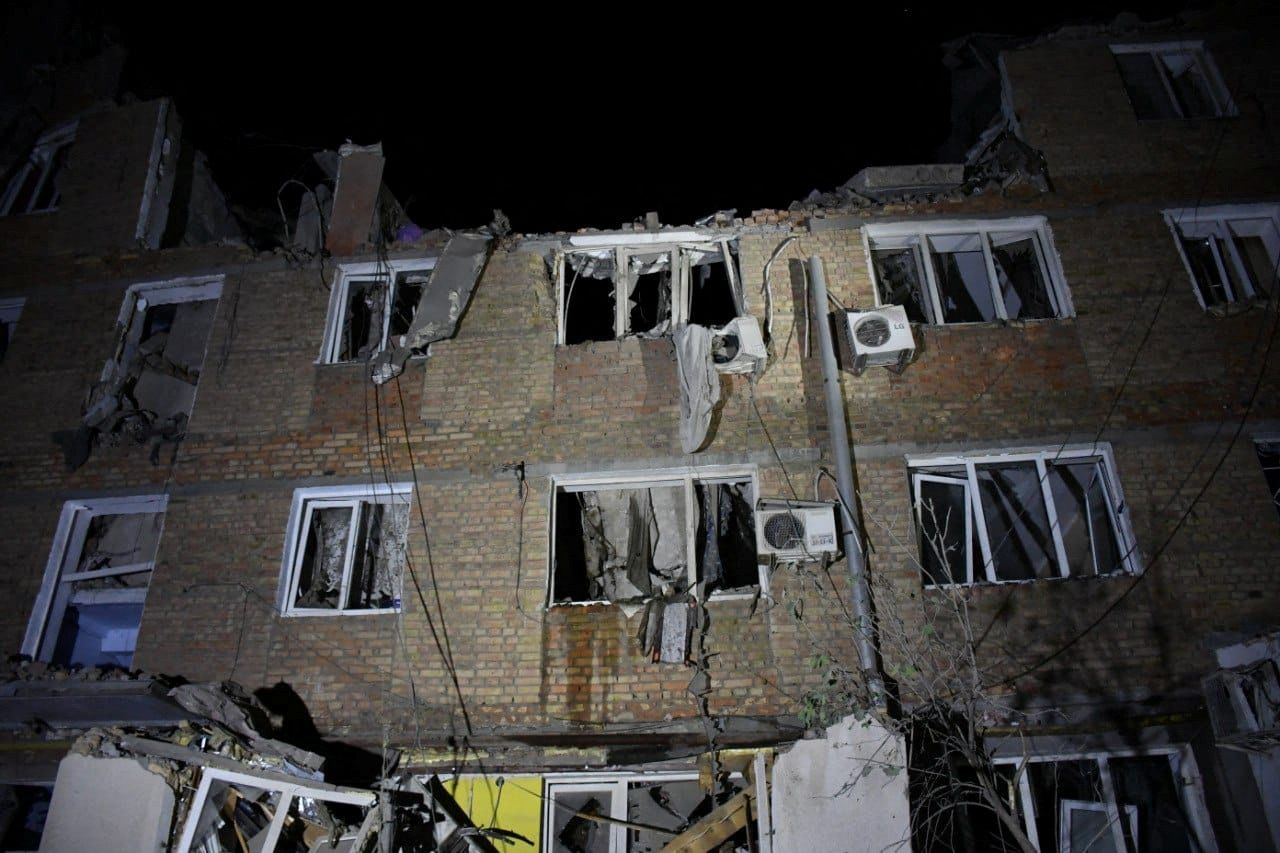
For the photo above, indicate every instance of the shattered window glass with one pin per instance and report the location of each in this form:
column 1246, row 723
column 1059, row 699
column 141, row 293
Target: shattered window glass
column 96, row 605
column 1021, row 278
column 1170, row 81
column 572, row 830
column 900, row 280
column 939, row 273
column 1111, row 803
column 1028, row 533
column 374, row 307
column 630, row 544
column 351, row 554
column 1232, row 252
column 961, row 271
column 664, row 287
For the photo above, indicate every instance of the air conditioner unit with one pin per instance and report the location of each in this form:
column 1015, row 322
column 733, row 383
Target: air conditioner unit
column 795, row 530
column 880, row 337
column 738, row 346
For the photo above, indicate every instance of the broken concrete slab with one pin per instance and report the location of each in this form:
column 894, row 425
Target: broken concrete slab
column 108, row 804
column 356, row 197
column 846, row 791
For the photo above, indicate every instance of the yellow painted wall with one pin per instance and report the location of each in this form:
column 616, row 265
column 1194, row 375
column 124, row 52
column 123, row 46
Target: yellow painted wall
column 519, row 806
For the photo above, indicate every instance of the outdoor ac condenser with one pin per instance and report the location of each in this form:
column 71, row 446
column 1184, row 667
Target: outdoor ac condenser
column 795, row 530
column 880, row 337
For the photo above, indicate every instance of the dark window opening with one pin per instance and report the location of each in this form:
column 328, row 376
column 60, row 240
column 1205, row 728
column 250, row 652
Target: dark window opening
column 711, row 296
column 1141, row 75
column 588, row 308
column 362, row 320
column 964, row 288
column 570, row 572
column 404, row 307
column 1022, row 284
column 651, row 301
column 159, row 318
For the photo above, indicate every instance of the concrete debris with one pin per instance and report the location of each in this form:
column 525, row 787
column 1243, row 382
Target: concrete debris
column 699, row 385
column 229, row 705
column 885, row 182
column 359, row 181
column 443, row 300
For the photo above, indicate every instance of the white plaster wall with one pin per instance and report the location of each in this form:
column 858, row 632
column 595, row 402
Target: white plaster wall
column 107, row 805
column 846, row 793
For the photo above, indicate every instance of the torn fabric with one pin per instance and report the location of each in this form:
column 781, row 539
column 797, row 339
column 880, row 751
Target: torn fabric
column 699, row 385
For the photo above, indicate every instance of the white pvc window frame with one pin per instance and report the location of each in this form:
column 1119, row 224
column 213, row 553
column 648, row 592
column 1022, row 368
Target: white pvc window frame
column 343, row 278
column 920, row 236
column 1182, row 764
column 139, row 297
column 1218, row 92
column 305, row 502
column 56, row 593
column 617, row 786
column 288, row 791
column 680, row 248
column 41, row 160
column 687, row 478
column 963, row 472
column 1224, row 222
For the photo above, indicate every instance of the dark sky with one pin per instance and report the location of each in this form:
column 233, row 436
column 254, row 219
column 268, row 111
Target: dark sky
column 589, row 118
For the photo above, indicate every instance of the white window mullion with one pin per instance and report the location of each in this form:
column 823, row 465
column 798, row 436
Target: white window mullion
column 1233, row 258
column 1114, row 816
column 1060, row 550
column 388, row 299
column 1168, row 88
column 1028, row 805
column 691, row 532
column 1051, row 283
column 277, row 820
column 1215, row 241
column 980, row 520
column 348, row 563
column 621, row 293
column 300, row 553
column 933, row 297
column 563, row 311
column 993, row 281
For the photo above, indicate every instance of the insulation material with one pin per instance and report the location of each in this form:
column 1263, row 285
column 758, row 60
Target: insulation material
column 676, row 627
column 443, row 300
column 699, row 385
column 632, row 541
column 326, row 554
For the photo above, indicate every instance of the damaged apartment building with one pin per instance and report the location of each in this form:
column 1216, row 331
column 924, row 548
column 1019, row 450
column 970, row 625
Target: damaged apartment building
column 671, row 537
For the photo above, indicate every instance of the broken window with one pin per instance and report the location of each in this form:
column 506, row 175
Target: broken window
column 347, row 549
column 666, row 284
column 1020, row 516
column 1113, row 802
column 148, row 387
column 1172, row 80
column 34, row 183
column 233, row 812
column 638, row 537
column 968, row 272
column 372, row 307
column 90, row 602
column 10, row 312
column 641, row 537
column 636, row 814
column 1232, row 252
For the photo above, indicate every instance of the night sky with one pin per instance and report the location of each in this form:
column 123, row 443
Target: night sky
column 585, row 119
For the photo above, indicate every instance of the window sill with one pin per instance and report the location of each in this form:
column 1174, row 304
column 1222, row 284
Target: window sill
column 994, row 324
column 380, row 611
column 711, row 599
column 977, row 585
